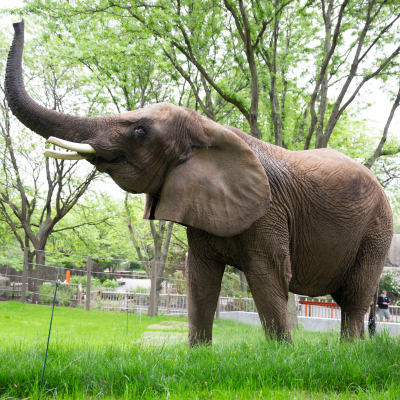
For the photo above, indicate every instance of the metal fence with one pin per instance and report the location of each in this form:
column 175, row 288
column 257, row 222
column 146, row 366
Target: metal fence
column 35, row 283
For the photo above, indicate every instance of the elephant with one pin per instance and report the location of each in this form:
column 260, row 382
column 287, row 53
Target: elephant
column 311, row 222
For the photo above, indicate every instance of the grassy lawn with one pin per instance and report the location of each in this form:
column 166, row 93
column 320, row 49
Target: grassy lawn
column 94, row 355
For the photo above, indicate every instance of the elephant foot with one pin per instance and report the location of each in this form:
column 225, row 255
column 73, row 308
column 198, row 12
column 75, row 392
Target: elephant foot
column 352, row 327
column 276, row 331
column 199, row 338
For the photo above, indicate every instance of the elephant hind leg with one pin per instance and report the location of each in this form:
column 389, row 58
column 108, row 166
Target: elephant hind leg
column 353, row 311
column 355, row 295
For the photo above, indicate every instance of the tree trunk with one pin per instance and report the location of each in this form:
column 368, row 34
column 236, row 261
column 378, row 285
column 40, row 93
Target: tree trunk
column 243, row 284
column 160, row 251
column 40, row 273
column 292, row 312
column 31, row 270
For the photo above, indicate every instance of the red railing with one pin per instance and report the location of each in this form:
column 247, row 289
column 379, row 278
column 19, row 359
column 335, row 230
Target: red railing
column 308, row 305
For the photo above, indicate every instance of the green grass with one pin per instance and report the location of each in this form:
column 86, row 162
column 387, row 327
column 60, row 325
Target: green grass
column 92, row 355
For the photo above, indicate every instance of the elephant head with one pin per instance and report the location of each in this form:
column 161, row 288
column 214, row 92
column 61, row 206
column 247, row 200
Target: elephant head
column 194, row 171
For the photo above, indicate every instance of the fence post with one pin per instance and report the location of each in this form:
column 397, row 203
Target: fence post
column 153, row 292
column 217, row 310
column 88, row 281
column 24, row 276
column 240, row 303
column 79, row 294
column 168, row 303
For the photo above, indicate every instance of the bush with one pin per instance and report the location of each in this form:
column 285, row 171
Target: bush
column 390, row 283
column 180, row 282
column 78, row 280
column 46, row 292
column 64, row 303
column 110, row 284
column 82, row 280
column 231, row 286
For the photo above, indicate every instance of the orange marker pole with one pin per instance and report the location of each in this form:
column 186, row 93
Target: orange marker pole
column 68, row 276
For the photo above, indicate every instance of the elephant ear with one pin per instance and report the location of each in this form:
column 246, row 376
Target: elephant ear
column 221, row 189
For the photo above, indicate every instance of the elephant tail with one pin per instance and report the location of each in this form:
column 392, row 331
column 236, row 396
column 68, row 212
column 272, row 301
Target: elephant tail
column 372, row 313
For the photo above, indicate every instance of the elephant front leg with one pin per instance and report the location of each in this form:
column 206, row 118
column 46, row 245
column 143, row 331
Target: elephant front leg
column 271, row 301
column 203, row 282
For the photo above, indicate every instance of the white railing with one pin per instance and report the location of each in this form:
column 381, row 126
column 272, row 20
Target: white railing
column 326, row 311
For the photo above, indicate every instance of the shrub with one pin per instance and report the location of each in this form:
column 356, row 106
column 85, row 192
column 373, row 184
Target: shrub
column 46, row 292
column 110, row 284
column 180, row 283
column 82, row 280
column 64, row 302
column 78, row 280
column 231, row 286
column 390, row 283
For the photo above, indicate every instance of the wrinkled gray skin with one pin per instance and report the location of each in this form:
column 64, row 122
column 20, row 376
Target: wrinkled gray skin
column 311, row 222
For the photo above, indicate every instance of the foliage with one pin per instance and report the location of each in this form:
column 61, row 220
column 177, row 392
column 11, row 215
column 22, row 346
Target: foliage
column 390, row 282
column 63, row 298
column 230, row 286
column 179, row 283
column 109, row 284
column 94, row 282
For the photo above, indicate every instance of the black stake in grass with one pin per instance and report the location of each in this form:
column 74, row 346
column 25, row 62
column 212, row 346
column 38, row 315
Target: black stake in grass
column 51, row 322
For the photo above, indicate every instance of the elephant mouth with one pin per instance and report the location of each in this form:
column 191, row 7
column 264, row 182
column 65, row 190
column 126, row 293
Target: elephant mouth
column 105, row 164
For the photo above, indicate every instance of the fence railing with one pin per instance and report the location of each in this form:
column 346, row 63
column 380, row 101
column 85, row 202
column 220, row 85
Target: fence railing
column 332, row 310
column 170, row 304
column 36, row 283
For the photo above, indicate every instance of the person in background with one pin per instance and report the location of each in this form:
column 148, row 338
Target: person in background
column 383, row 304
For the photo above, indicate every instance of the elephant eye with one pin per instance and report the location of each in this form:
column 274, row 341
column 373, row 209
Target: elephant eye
column 139, row 131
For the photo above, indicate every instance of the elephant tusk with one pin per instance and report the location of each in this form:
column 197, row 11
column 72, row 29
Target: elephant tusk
column 65, row 144
column 61, row 155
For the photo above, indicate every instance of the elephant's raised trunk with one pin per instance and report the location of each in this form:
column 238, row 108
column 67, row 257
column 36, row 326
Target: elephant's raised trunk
column 39, row 119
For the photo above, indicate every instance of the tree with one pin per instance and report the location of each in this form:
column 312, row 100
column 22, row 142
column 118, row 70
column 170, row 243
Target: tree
column 37, row 193
column 372, row 25
column 162, row 234
column 379, row 152
column 230, row 51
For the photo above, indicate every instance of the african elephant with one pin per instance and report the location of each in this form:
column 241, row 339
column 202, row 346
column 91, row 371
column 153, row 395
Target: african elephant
column 310, row 222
